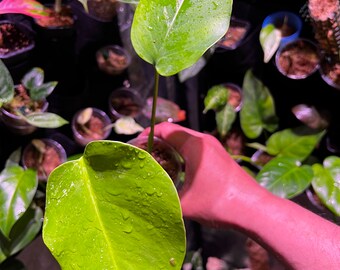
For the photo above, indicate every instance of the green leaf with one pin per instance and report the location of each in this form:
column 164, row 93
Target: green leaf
column 25, row 229
column 224, row 119
column 6, row 85
column 285, row 177
column 14, row 158
column 296, row 143
column 33, row 78
column 270, row 38
column 173, row 34
column 45, row 120
column 123, row 211
column 2, row 256
column 17, row 189
column 258, row 110
column 216, row 98
column 326, row 183
column 43, row 91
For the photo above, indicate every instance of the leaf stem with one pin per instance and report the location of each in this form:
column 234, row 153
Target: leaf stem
column 153, row 112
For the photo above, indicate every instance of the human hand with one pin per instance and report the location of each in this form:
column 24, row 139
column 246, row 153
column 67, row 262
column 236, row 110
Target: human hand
column 211, row 175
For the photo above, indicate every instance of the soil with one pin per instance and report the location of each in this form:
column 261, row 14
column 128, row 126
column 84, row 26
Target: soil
column 233, row 36
column 234, row 143
column 235, row 97
column 22, row 102
column 332, row 72
column 44, row 164
column 93, row 129
column 164, row 156
column 111, row 62
column 126, row 106
column 323, row 10
column 61, row 19
column 298, row 59
column 103, row 9
column 12, row 39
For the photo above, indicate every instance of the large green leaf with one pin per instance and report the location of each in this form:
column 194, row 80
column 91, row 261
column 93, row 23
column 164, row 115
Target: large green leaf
column 173, row 34
column 224, row 119
column 45, row 120
column 296, row 143
column 6, row 85
column 216, row 98
column 258, row 110
column 17, row 189
column 326, row 183
column 270, row 38
column 285, row 177
column 114, row 208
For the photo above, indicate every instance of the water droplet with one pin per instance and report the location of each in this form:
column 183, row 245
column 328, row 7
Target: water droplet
column 127, row 165
column 128, row 229
column 172, row 262
column 125, row 214
column 141, row 165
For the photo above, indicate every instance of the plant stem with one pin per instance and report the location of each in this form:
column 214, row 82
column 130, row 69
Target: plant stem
column 153, row 112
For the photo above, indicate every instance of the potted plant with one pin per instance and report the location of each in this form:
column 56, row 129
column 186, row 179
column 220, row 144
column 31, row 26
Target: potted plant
column 90, row 124
column 113, row 59
column 297, row 59
column 17, row 39
column 21, row 218
column 43, row 155
column 123, row 173
column 325, row 23
column 278, row 29
column 124, row 102
column 23, row 107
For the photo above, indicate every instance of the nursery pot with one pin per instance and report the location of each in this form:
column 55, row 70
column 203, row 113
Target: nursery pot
column 17, row 43
column 236, row 33
column 53, row 155
column 330, row 72
column 113, row 59
column 125, row 102
column 164, row 154
column 297, row 59
column 56, row 26
column 235, row 96
column 289, row 23
column 103, row 10
column 94, row 129
column 18, row 125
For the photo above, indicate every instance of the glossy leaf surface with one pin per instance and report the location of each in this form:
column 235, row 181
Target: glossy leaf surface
column 326, row 183
column 216, row 98
column 27, row 7
column 285, row 177
column 45, row 120
column 6, row 85
column 173, row 34
column 224, row 119
column 258, row 110
column 123, row 211
column 296, row 143
column 17, row 189
column 270, row 38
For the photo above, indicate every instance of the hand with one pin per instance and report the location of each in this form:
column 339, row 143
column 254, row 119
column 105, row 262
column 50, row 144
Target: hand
column 210, row 173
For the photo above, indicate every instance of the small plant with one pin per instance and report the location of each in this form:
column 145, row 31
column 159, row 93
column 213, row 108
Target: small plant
column 20, row 218
column 27, row 99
